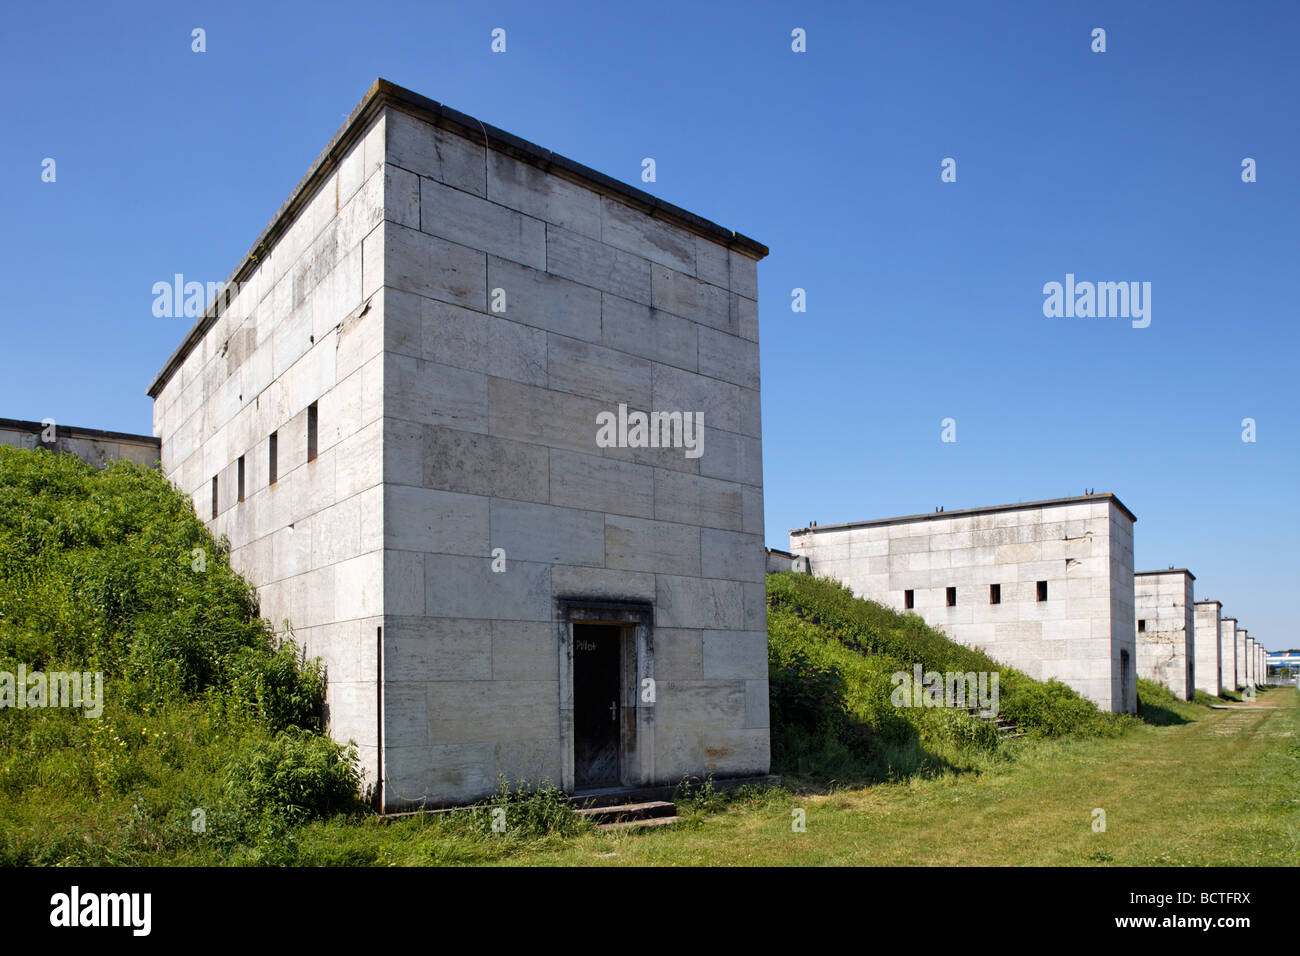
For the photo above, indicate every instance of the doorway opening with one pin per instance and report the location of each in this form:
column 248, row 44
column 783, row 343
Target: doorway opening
column 1123, row 681
column 607, row 694
column 597, row 705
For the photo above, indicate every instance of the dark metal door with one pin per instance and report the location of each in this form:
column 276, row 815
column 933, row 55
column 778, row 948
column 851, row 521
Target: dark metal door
column 596, row 706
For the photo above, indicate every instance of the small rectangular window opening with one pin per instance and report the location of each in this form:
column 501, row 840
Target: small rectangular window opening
column 1042, row 590
column 1142, row 625
column 241, row 478
column 995, row 594
column 214, row 496
column 274, row 455
column 909, row 600
column 311, row 432
column 952, row 597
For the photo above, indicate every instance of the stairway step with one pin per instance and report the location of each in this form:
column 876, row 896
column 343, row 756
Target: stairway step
column 633, row 824
column 629, row 812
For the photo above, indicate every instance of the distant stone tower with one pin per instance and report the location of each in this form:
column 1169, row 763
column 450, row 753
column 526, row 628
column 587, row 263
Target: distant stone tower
column 1163, row 604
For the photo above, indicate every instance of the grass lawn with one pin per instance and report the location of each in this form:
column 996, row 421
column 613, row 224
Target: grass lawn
column 1221, row 787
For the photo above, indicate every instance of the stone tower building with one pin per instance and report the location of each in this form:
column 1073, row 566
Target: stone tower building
column 399, row 413
column 1166, row 628
column 1207, row 644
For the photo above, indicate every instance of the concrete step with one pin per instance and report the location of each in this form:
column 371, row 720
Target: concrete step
column 613, row 796
column 629, row 812
column 633, row 824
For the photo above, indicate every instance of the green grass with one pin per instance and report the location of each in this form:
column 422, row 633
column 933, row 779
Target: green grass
column 1221, row 789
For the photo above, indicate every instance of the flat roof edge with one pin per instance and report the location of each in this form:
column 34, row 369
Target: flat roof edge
column 383, row 94
column 965, row 512
column 1169, row 571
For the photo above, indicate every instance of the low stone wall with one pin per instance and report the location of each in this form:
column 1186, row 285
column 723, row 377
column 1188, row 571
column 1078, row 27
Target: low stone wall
column 785, row 561
column 91, row 445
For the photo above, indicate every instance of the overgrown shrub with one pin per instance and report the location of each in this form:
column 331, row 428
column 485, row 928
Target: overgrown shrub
column 297, row 772
column 527, row 810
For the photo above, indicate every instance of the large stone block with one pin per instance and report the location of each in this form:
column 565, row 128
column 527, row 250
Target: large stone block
column 700, row 602
column 543, row 416
column 605, row 374
column 731, row 654
column 545, row 533
column 692, row 499
column 482, row 343
column 435, row 522
column 602, row 484
column 732, row 555
column 636, row 328
column 624, row 227
column 574, row 256
column 433, row 394
column 484, row 465
column 536, row 192
column 659, row 546
column 546, row 301
column 479, row 224
column 684, row 295
column 433, row 267
column 436, row 153
column 466, row 587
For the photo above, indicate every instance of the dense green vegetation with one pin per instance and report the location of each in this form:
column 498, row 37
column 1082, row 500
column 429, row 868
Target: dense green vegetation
column 831, row 658
column 209, row 739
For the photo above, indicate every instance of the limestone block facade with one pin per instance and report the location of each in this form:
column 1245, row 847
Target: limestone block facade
column 1044, row 586
column 778, row 561
column 1163, row 605
column 1243, row 664
column 93, row 446
column 1228, row 653
column 396, row 423
column 1206, row 644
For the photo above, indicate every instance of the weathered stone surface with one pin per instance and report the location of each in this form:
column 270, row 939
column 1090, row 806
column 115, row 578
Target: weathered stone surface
column 544, row 196
column 616, row 487
column 641, row 545
column 545, row 533
column 1163, row 606
column 546, row 301
column 470, row 221
column 591, row 263
column 1081, row 634
column 484, row 465
column 650, row 333
column 1206, row 643
column 434, row 268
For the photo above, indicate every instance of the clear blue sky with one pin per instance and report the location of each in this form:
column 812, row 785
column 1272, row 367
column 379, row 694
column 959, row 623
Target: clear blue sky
column 924, row 298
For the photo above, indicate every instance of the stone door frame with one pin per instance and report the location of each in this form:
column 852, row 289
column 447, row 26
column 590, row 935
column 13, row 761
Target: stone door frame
column 635, row 619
